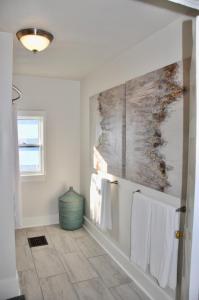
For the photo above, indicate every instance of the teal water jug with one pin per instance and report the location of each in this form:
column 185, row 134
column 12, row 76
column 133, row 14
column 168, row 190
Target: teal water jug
column 71, row 210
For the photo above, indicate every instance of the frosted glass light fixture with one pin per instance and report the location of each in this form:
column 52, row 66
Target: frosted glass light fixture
column 34, row 39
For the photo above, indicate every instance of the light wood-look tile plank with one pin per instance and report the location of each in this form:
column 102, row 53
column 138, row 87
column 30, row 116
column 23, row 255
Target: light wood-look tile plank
column 24, row 259
column 109, row 271
column 93, row 289
column 36, row 231
column 29, row 284
column 64, row 243
column 21, row 237
column 55, row 229
column 77, row 267
column 47, row 262
column 80, row 233
column 90, row 247
column 57, row 288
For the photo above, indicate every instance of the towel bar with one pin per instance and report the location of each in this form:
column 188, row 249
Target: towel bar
column 137, row 191
column 181, row 209
column 114, row 182
column 19, row 93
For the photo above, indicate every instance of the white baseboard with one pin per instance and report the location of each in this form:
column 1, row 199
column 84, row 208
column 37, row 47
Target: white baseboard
column 40, row 221
column 9, row 288
column 140, row 278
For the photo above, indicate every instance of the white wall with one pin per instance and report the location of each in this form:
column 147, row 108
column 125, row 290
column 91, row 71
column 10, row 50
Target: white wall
column 60, row 99
column 8, row 279
column 160, row 49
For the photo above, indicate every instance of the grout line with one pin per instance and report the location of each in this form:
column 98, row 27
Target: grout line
column 48, row 277
column 85, row 280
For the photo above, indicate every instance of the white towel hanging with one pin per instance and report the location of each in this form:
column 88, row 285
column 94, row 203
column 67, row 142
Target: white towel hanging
column 100, row 202
column 95, row 198
column 106, row 216
column 162, row 234
column 174, row 260
column 140, row 230
column 153, row 241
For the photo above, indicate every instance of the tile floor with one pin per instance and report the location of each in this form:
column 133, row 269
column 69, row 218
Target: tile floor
column 71, row 267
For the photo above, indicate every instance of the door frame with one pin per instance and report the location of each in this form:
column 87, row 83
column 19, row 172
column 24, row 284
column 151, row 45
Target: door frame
column 193, row 174
column 189, row 288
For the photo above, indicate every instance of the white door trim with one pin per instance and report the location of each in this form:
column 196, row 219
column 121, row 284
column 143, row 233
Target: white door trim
column 194, row 269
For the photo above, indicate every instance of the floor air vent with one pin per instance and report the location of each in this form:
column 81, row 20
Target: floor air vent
column 37, row 241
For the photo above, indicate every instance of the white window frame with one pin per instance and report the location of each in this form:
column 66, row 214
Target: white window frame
column 30, row 114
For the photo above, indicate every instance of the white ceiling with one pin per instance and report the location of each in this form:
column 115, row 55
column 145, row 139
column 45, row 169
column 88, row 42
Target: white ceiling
column 87, row 33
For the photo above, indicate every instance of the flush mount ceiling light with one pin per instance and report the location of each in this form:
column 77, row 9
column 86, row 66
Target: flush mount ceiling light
column 34, row 39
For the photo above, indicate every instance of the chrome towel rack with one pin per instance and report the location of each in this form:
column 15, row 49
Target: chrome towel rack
column 137, row 191
column 178, row 234
column 114, row 182
column 181, row 209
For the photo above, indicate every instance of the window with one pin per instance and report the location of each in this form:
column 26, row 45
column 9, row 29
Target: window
column 31, row 144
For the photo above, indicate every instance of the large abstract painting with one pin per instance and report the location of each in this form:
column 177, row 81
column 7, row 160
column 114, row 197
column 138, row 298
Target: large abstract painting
column 137, row 129
column 107, row 119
